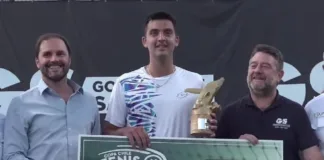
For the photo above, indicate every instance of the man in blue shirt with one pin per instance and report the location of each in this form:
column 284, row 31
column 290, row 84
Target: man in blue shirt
column 44, row 122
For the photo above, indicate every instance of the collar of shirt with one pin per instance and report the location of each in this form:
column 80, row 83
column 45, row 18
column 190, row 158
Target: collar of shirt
column 42, row 86
column 276, row 102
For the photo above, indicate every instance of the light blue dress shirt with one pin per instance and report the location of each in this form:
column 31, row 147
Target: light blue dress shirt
column 2, row 120
column 41, row 126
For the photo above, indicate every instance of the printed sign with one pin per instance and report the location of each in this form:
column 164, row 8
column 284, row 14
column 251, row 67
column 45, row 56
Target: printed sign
column 118, row 148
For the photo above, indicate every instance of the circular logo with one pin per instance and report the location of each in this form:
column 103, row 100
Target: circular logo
column 182, row 95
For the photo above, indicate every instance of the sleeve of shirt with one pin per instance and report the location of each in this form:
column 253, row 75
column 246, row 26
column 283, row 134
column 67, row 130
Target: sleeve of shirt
column 306, row 136
column 15, row 133
column 310, row 115
column 223, row 130
column 96, row 129
column 2, row 121
column 117, row 109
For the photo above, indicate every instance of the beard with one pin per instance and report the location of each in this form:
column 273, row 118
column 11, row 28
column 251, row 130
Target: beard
column 55, row 71
column 261, row 90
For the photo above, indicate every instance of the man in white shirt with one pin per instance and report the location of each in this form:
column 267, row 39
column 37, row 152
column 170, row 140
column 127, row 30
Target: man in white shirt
column 315, row 112
column 150, row 101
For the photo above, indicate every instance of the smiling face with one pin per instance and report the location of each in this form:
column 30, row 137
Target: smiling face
column 263, row 74
column 53, row 59
column 160, row 38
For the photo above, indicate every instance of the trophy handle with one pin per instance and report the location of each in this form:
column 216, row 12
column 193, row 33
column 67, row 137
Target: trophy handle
column 193, row 90
column 215, row 107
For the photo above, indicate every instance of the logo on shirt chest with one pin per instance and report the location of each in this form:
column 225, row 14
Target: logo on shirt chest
column 281, row 123
column 182, row 95
column 319, row 114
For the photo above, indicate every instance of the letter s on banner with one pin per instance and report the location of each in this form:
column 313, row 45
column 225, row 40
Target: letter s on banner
column 101, row 88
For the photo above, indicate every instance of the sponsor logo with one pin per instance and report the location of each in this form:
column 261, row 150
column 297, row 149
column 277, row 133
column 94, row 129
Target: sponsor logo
column 281, row 123
column 319, row 115
column 125, row 152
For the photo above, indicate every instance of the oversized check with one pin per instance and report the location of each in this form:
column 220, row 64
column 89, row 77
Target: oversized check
column 118, row 148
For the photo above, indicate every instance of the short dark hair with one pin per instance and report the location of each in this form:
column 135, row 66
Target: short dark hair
column 48, row 36
column 272, row 51
column 160, row 16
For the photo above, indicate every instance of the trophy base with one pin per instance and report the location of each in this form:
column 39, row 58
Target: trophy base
column 201, row 133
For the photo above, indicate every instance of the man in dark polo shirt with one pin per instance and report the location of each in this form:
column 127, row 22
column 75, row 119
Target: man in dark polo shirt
column 265, row 114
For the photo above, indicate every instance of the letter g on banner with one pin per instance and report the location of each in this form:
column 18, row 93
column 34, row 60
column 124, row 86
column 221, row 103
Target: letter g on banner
column 294, row 92
column 7, row 79
column 316, row 77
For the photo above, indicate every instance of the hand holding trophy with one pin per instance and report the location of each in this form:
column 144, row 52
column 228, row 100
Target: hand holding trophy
column 204, row 107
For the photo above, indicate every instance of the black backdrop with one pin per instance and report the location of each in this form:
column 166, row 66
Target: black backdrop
column 216, row 39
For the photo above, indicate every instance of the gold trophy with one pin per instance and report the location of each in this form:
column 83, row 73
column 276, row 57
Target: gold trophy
column 204, row 107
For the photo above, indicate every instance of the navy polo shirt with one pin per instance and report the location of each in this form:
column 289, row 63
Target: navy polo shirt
column 284, row 120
